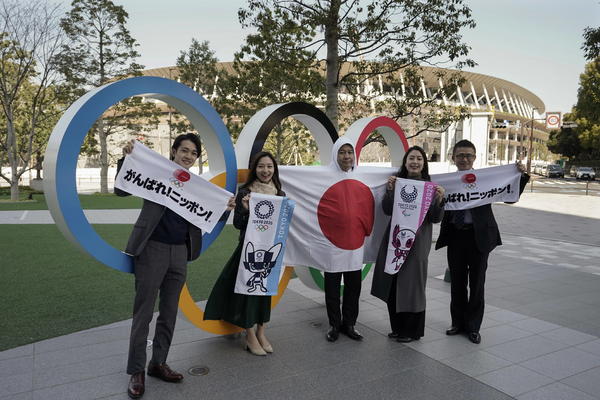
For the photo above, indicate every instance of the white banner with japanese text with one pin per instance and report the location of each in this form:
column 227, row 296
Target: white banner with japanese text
column 148, row 175
column 476, row 187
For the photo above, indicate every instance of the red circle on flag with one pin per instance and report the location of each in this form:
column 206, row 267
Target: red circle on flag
column 346, row 214
column 181, row 175
column 469, row 178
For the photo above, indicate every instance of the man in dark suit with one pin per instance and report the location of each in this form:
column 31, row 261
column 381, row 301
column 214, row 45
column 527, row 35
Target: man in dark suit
column 162, row 243
column 470, row 236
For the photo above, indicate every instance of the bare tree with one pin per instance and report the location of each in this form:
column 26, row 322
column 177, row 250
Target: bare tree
column 30, row 38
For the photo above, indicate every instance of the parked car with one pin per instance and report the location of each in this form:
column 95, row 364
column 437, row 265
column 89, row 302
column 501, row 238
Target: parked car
column 555, row 170
column 586, row 173
column 542, row 170
column 573, row 171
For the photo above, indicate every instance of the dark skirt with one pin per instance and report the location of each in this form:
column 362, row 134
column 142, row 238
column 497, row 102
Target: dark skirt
column 405, row 324
column 408, row 324
column 238, row 309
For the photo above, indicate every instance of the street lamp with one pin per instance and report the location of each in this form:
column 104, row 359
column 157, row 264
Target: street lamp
column 529, row 152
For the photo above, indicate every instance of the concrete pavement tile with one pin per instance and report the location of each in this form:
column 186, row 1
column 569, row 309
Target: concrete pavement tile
column 14, row 384
column 450, row 346
column 20, row 396
column 404, row 384
column 488, row 322
column 16, row 366
column 84, row 338
column 587, row 381
column 476, row 363
column 526, row 348
column 568, row 336
column 505, row 316
column 437, row 371
column 47, row 377
column 467, row 390
column 432, row 335
column 17, row 352
column 433, row 304
column 77, row 354
column 514, row 380
column 88, row 389
column 555, row 391
column 501, row 334
column 563, row 363
column 592, row 347
column 534, row 325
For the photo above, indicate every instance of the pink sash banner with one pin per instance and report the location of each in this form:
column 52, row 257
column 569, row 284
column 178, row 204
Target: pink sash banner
column 412, row 199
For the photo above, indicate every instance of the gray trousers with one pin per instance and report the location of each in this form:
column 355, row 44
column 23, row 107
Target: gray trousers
column 159, row 268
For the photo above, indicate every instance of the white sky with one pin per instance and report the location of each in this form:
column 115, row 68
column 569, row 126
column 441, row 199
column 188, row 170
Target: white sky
column 533, row 43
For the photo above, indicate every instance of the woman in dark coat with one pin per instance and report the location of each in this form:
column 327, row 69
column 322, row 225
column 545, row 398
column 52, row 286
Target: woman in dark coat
column 249, row 312
column 404, row 292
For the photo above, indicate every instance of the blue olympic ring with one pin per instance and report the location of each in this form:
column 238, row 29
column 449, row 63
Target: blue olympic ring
column 68, row 135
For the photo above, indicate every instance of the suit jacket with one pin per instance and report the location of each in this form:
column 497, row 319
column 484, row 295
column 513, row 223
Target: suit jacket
column 487, row 235
column 146, row 224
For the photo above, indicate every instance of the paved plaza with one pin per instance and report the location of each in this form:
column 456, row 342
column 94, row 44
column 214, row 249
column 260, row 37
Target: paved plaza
column 540, row 335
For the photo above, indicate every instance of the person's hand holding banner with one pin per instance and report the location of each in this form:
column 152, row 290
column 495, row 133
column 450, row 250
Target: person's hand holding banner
column 149, row 175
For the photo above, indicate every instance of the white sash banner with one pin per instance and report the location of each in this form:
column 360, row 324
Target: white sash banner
column 412, row 199
column 264, row 245
column 149, row 175
column 476, row 187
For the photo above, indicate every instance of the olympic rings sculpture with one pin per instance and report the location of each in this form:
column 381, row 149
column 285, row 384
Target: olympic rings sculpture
column 69, row 133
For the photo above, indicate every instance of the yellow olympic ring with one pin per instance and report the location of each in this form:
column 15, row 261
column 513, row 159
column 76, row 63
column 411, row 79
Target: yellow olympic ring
column 196, row 315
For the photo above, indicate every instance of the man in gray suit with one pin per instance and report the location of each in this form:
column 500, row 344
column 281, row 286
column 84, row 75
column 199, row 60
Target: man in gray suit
column 162, row 243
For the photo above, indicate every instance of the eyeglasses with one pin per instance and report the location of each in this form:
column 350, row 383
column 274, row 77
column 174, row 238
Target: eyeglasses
column 464, row 156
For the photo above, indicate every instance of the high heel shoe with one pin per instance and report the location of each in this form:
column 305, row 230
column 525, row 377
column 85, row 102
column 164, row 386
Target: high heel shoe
column 266, row 345
column 256, row 351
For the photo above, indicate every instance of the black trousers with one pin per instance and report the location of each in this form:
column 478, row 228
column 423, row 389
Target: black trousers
column 352, row 285
column 160, row 268
column 405, row 324
column 467, row 267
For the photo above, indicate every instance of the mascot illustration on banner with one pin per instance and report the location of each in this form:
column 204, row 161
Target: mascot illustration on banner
column 260, row 263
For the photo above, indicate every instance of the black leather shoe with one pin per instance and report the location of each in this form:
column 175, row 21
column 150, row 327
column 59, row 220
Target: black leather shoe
column 475, row 337
column 164, row 372
column 453, row 330
column 351, row 332
column 333, row 334
column 393, row 335
column 404, row 339
column 135, row 390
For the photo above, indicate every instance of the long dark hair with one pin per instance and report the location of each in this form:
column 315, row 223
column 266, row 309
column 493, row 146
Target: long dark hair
column 254, row 163
column 403, row 172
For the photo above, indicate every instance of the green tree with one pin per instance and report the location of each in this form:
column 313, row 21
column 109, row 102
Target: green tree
column 591, row 43
column 581, row 140
column 196, row 68
column 101, row 50
column 30, row 39
column 250, row 85
column 587, row 109
column 379, row 38
column 565, row 141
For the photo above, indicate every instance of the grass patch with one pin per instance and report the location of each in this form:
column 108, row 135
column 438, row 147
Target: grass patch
column 56, row 289
column 95, row 201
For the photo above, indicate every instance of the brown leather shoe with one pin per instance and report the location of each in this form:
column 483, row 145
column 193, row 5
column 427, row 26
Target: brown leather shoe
column 164, row 372
column 136, row 385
